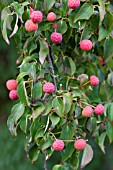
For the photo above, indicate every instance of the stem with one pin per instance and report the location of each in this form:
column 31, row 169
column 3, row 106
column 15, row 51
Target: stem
column 68, row 140
column 52, row 135
column 88, row 104
column 45, row 163
column 85, row 84
column 52, row 71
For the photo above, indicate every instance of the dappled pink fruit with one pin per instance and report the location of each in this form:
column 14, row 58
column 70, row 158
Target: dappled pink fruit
column 30, row 26
column 56, row 37
column 94, row 80
column 51, row 16
column 80, row 144
column 73, row 4
column 87, row 111
column 48, row 87
column 102, row 61
column 86, row 45
column 11, row 84
column 13, row 95
column 99, row 109
column 58, row 145
column 36, row 16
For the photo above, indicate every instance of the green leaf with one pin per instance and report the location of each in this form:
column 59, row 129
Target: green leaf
column 44, row 51
column 48, row 107
column 17, row 111
column 59, row 106
column 46, row 144
column 108, row 50
column 67, row 153
column 21, row 75
column 67, row 132
column 23, row 123
column 72, row 66
column 92, row 124
column 54, row 119
column 87, row 156
column 37, row 112
column 61, row 26
column 48, row 4
column 110, row 79
column 57, row 167
column 11, row 126
column 101, row 10
column 4, row 30
column 34, row 128
column 101, row 141
column 109, row 130
column 33, row 153
column 74, row 161
column 22, row 93
column 67, row 100
column 85, row 12
column 37, row 91
column 15, row 28
column 31, row 70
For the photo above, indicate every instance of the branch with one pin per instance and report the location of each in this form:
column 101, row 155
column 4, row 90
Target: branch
column 45, row 163
column 52, row 71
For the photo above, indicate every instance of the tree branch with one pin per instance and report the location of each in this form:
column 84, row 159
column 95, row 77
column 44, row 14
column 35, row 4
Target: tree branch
column 45, row 163
column 52, row 71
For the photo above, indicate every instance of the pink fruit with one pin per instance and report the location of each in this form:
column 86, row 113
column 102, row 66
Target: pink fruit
column 58, row 145
column 73, row 4
column 13, row 95
column 80, row 144
column 51, row 16
column 55, row 25
column 36, row 16
column 102, row 61
column 48, row 87
column 11, row 84
column 56, row 37
column 86, row 45
column 87, row 111
column 99, row 109
column 30, row 26
column 31, row 10
column 94, row 80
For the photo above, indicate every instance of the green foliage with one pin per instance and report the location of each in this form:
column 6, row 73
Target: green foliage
column 46, row 117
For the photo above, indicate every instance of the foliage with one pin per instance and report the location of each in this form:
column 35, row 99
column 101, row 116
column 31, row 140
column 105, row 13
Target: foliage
column 43, row 118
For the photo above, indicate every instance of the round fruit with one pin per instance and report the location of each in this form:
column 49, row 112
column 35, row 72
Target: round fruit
column 94, row 80
column 49, row 87
column 73, row 4
column 11, row 84
column 56, row 37
column 86, row 45
column 87, row 111
column 80, row 144
column 58, row 145
column 30, row 26
column 51, row 16
column 13, row 95
column 36, row 16
column 99, row 109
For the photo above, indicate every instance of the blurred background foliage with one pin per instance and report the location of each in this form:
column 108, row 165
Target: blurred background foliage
column 12, row 154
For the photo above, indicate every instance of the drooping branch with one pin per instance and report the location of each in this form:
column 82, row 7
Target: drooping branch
column 52, row 71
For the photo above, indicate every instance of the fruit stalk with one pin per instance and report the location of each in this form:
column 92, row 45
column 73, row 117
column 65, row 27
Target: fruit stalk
column 52, row 71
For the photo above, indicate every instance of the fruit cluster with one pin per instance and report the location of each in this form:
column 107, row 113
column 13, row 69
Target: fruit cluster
column 12, row 86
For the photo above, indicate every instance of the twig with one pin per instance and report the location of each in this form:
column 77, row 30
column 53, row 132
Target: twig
column 52, row 71
column 45, row 163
